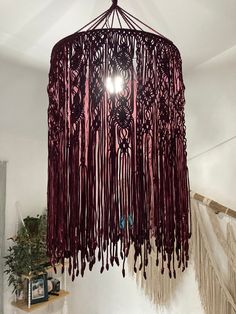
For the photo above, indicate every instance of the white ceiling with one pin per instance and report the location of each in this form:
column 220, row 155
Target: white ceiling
column 201, row 29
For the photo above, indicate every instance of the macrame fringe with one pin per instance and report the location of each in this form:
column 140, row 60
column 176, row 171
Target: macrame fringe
column 215, row 296
column 159, row 288
column 224, row 241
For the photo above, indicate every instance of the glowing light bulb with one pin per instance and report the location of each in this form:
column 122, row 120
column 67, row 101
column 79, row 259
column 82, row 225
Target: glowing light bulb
column 114, row 85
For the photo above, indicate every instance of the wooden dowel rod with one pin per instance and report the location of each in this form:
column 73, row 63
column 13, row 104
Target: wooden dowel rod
column 218, row 208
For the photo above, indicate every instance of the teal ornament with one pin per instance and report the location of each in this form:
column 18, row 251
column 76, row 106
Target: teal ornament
column 122, row 223
column 130, row 220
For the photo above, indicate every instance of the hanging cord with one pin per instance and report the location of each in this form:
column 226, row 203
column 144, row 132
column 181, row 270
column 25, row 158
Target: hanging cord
column 94, row 20
column 118, row 18
column 127, row 21
column 99, row 19
column 105, row 17
column 142, row 23
column 112, row 20
column 115, row 3
column 106, row 20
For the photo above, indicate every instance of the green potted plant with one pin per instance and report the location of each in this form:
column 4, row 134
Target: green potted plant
column 27, row 255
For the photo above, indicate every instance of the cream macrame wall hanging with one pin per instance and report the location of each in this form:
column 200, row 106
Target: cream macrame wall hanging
column 158, row 287
column 213, row 252
column 214, row 259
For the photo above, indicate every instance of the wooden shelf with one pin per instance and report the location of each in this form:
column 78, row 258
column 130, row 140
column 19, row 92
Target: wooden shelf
column 52, row 298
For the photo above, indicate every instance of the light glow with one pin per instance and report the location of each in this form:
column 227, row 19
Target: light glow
column 114, row 85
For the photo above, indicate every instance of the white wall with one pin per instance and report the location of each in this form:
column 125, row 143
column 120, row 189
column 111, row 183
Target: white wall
column 23, row 143
column 26, row 177
column 23, row 131
column 110, row 293
column 211, row 116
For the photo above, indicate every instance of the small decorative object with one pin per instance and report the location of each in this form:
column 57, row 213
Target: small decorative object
column 131, row 221
column 117, row 161
column 53, row 285
column 37, row 289
column 122, row 223
column 28, row 254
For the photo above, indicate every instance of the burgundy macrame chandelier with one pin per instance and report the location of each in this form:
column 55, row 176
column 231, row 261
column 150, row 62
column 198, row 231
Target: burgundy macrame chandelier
column 117, row 162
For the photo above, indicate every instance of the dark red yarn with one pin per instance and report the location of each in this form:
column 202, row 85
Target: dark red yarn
column 117, row 164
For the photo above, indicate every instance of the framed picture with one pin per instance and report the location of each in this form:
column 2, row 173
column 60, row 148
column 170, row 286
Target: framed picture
column 38, row 289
